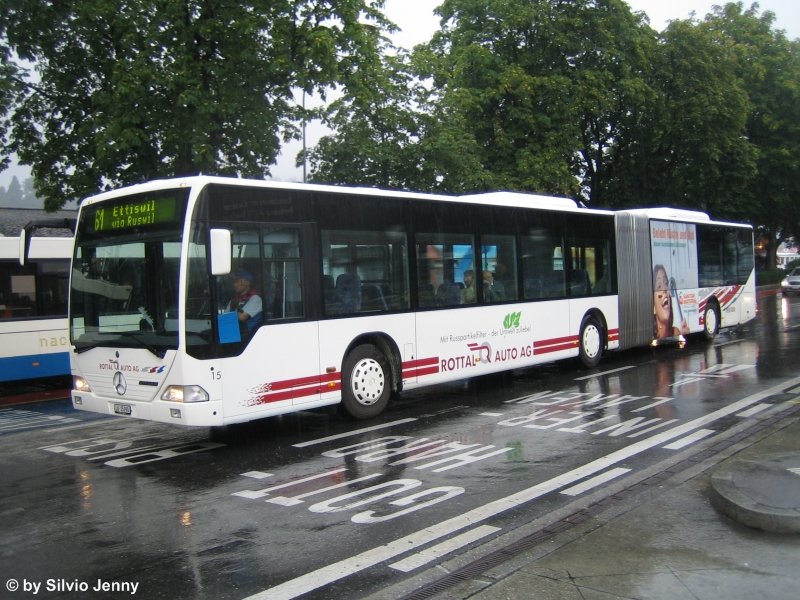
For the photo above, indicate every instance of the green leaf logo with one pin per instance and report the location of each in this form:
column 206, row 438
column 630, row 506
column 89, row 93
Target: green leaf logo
column 512, row 320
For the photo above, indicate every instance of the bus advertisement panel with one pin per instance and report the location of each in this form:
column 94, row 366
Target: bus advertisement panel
column 674, row 255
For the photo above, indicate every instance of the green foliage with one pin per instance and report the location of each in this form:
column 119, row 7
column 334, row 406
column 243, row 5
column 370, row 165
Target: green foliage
column 686, row 146
column 140, row 89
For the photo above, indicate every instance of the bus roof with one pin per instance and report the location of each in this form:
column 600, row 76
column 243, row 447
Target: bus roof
column 509, row 199
column 679, row 214
column 41, row 247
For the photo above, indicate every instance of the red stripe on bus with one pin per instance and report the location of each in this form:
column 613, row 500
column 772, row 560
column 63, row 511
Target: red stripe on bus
column 420, row 367
column 300, row 387
column 555, row 344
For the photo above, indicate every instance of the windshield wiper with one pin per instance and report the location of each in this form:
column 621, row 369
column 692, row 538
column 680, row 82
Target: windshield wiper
column 159, row 352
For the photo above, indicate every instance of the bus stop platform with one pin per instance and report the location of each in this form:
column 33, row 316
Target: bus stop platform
column 717, row 524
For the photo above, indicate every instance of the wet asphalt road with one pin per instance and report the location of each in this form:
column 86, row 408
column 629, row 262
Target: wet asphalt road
column 311, row 504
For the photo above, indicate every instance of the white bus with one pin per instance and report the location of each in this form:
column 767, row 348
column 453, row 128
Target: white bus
column 34, row 341
column 365, row 293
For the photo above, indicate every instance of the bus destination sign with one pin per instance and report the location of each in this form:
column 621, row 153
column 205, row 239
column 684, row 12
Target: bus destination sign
column 143, row 212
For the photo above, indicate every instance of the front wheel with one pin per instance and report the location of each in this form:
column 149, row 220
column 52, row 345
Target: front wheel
column 591, row 342
column 366, row 382
column 711, row 321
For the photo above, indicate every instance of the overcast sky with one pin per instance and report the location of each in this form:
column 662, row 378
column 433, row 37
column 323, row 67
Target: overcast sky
column 417, row 23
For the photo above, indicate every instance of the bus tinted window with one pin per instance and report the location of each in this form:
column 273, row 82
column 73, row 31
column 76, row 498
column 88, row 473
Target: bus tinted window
column 542, row 261
column 589, row 254
column 444, row 261
column 38, row 289
column 498, row 267
column 364, row 271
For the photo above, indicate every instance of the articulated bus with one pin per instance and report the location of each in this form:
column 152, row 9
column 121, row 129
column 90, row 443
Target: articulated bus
column 34, row 342
column 360, row 293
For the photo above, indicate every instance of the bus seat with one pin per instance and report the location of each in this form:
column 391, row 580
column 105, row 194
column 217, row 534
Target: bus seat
column 373, row 298
column 348, row 292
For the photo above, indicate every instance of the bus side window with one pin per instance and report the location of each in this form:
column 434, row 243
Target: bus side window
column 364, row 271
column 443, row 260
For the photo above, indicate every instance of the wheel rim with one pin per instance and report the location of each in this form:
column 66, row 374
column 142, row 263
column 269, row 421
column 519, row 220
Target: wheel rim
column 368, row 381
column 591, row 341
column 711, row 321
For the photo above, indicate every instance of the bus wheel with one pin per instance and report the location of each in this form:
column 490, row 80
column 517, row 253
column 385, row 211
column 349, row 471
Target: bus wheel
column 591, row 342
column 366, row 382
column 711, row 321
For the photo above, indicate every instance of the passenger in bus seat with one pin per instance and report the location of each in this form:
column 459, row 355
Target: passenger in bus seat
column 246, row 301
column 468, row 295
column 492, row 292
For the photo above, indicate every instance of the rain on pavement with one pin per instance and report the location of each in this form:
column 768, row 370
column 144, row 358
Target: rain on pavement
column 313, row 504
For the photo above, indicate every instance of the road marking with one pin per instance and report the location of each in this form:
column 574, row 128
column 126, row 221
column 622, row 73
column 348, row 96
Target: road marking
column 439, row 550
column 690, row 439
column 14, row 419
column 589, row 484
column 658, row 400
column 369, row 558
column 253, row 494
column 593, row 375
column 753, row 410
column 351, row 433
column 257, row 474
column 300, row 498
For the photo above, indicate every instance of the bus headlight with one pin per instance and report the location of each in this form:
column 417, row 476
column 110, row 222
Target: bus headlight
column 185, row 393
column 79, row 384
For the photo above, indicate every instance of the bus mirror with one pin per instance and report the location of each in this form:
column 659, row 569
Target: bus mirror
column 221, row 250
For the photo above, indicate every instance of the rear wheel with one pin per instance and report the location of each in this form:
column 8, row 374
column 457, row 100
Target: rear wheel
column 591, row 342
column 711, row 321
column 366, row 382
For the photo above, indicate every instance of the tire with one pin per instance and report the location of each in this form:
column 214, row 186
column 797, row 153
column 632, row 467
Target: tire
column 366, row 383
column 711, row 321
column 590, row 342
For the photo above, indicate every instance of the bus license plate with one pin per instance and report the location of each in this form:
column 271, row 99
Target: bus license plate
column 122, row 409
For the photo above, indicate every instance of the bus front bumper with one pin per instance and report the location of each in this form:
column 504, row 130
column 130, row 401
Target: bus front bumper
column 193, row 414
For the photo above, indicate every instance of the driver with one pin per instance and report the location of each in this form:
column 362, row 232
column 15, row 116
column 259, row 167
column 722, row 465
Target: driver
column 246, row 301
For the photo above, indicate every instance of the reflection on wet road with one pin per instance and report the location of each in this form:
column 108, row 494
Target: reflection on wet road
column 312, row 504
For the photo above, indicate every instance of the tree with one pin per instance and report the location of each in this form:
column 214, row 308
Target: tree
column 13, row 195
column 133, row 90
column 373, row 127
column 540, row 86
column 686, row 145
column 769, row 68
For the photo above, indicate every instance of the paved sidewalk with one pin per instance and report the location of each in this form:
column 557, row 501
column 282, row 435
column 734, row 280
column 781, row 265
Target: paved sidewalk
column 667, row 541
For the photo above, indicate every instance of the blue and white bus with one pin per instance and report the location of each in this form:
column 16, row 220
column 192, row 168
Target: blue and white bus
column 34, row 341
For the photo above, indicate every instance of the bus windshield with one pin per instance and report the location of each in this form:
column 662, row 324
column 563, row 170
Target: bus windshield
column 124, row 285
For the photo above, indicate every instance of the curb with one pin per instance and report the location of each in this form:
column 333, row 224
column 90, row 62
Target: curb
column 763, row 493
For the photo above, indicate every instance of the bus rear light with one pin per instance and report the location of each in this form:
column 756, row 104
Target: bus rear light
column 79, row 384
column 185, row 394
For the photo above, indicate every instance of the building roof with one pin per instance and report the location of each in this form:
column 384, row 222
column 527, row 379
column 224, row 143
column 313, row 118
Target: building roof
column 12, row 220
